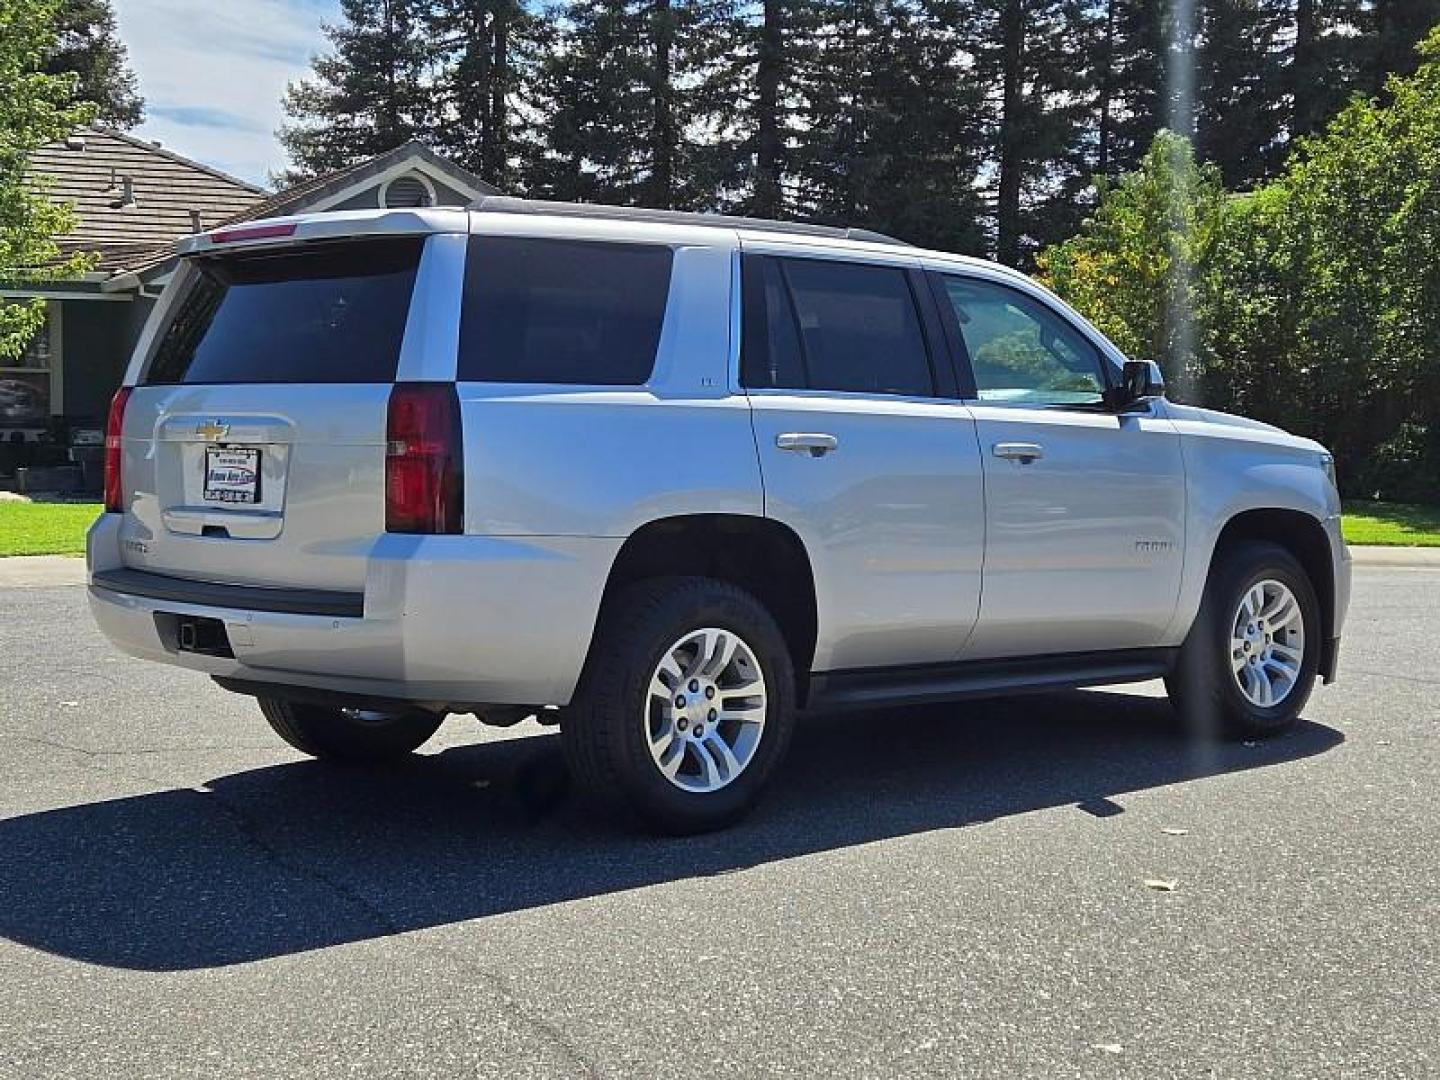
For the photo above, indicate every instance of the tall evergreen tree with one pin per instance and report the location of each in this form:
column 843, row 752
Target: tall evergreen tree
column 486, row 52
column 369, row 95
column 891, row 129
column 1026, row 54
column 616, row 97
column 773, row 62
column 1241, row 114
column 1396, row 28
column 88, row 46
column 747, row 100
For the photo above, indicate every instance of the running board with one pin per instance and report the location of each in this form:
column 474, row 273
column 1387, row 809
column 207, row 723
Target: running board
column 873, row 688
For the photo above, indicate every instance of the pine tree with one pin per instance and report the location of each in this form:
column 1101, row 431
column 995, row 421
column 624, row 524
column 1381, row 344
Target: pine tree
column 369, row 95
column 1240, row 87
column 591, row 89
column 773, row 64
column 88, row 46
column 1395, row 28
column 1028, row 53
column 617, row 97
column 1139, row 89
column 486, row 52
column 746, row 98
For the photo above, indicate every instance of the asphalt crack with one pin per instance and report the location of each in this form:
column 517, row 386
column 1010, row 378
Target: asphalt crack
column 251, row 831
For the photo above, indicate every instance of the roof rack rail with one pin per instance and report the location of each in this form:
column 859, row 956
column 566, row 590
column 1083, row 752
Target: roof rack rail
column 510, row 204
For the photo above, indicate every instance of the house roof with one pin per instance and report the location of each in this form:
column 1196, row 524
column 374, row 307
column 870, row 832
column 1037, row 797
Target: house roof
column 306, row 194
column 137, row 242
column 89, row 171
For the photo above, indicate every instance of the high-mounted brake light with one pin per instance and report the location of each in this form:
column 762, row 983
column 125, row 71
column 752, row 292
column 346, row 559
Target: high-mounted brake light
column 114, row 452
column 253, row 232
column 424, row 482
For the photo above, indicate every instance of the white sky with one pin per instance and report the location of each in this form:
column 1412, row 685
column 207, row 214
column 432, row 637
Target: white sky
column 213, row 71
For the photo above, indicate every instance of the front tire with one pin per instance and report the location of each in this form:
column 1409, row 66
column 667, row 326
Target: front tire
column 686, row 705
column 349, row 735
column 1249, row 662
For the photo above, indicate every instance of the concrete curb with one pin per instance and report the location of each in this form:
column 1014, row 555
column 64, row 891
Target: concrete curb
column 42, row 570
column 1396, row 556
column 21, row 571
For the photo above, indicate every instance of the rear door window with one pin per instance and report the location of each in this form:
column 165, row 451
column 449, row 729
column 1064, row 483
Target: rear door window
column 828, row 325
column 331, row 313
column 562, row 311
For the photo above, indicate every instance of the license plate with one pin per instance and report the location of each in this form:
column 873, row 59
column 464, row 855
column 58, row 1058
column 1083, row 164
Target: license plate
column 231, row 475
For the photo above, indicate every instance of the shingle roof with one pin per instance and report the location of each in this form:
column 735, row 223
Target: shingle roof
column 301, row 195
column 166, row 188
column 140, row 239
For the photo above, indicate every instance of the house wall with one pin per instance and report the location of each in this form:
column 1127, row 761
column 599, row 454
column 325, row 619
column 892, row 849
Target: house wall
column 369, row 199
column 98, row 339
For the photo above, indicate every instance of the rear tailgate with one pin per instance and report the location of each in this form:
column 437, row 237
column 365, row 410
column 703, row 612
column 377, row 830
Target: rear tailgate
column 254, row 449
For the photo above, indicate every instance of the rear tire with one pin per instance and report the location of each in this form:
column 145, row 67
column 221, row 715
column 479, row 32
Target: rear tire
column 681, row 768
column 1249, row 663
column 349, row 735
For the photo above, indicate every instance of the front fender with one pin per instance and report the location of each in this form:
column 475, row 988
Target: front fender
column 1232, row 471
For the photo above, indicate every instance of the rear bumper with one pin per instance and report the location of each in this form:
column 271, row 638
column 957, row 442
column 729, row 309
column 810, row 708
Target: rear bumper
column 442, row 619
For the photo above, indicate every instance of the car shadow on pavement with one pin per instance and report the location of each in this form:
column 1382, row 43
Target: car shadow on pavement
column 301, row 856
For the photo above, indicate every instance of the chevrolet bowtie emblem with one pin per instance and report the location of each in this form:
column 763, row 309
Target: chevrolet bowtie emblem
column 213, row 430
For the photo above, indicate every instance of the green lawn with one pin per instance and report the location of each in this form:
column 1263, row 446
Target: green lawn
column 45, row 528
column 1392, row 524
column 59, row 528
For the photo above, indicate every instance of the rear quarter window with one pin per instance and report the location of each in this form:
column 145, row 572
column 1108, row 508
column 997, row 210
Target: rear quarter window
column 331, row 313
column 562, row 311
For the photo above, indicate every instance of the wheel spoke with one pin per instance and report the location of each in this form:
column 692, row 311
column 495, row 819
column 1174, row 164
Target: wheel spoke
column 1254, row 601
column 1285, row 614
column 1281, row 667
column 728, row 762
column 722, row 654
column 709, row 769
column 668, row 675
column 670, row 760
column 750, row 711
column 1265, row 691
column 1285, row 652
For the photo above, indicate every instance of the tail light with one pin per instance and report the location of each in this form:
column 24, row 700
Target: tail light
column 114, row 452
column 423, row 471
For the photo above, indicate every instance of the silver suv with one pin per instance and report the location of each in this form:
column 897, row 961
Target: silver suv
column 668, row 479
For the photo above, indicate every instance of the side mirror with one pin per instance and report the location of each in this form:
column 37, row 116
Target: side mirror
column 1141, row 380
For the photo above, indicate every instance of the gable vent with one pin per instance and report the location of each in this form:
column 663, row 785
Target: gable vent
column 407, row 190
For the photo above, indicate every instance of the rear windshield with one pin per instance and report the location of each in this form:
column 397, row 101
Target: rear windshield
column 333, row 313
column 562, row 311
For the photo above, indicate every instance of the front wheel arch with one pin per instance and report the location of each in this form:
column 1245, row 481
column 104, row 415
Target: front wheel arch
column 1304, row 537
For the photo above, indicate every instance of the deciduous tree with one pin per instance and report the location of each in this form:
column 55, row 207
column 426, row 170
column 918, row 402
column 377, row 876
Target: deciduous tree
column 36, row 107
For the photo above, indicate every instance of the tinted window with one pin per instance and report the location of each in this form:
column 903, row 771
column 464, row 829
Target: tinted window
column 562, row 311
column 1020, row 350
column 858, row 328
column 771, row 356
column 328, row 314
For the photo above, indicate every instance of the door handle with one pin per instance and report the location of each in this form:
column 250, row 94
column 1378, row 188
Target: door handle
column 816, row 444
column 1023, row 452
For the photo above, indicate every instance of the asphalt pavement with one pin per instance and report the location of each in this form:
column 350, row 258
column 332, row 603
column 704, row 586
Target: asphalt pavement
column 947, row 892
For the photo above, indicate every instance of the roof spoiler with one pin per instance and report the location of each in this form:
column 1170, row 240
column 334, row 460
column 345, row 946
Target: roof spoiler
column 509, row 204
